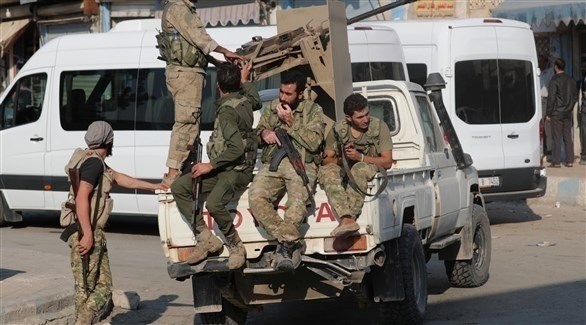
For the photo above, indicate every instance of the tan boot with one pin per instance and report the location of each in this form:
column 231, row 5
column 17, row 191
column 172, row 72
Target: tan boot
column 85, row 317
column 346, row 227
column 207, row 243
column 237, row 252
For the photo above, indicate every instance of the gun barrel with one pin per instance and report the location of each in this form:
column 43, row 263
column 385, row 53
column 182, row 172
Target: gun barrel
column 378, row 10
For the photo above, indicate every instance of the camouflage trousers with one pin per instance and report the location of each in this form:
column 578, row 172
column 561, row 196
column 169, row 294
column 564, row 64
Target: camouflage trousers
column 217, row 189
column 186, row 87
column 269, row 187
column 99, row 276
column 345, row 200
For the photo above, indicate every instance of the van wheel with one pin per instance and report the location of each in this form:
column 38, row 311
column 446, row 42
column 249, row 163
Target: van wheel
column 474, row 272
column 230, row 315
column 412, row 262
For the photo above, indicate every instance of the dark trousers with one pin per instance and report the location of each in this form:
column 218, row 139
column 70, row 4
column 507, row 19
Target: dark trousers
column 218, row 189
column 582, row 123
column 562, row 130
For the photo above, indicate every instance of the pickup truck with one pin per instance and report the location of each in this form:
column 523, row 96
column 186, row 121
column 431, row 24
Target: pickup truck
column 431, row 204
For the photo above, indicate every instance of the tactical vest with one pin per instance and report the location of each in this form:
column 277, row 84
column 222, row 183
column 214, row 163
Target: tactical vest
column 174, row 48
column 217, row 143
column 104, row 206
column 269, row 150
column 370, row 142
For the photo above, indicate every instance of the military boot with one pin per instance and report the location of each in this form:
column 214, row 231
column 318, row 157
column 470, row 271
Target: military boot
column 237, row 252
column 207, row 243
column 288, row 256
column 85, row 317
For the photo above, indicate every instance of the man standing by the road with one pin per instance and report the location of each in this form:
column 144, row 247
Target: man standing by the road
column 368, row 148
column 232, row 152
column 561, row 98
column 93, row 290
column 302, row 120
column 187, row 55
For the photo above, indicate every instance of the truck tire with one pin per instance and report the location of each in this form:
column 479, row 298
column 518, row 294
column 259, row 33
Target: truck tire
column 230, row 315
column 474, row 272
column 413, row 269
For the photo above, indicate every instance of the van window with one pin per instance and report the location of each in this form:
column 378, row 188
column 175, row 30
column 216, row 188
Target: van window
column 370, row 71
column 87, row 96
column 431, row 135
column 417, row 73
column 130, row 99
column 494, row 91
column 385, row 109
column 24, row 102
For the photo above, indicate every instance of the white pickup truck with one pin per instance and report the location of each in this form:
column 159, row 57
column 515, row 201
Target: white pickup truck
column 431, row 204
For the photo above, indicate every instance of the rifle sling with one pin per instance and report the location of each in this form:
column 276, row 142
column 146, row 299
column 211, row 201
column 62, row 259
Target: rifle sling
column 353, row 183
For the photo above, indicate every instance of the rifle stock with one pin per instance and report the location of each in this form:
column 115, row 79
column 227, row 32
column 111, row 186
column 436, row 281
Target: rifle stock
column 287, row 149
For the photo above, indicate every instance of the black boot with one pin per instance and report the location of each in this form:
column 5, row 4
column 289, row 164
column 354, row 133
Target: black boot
column 288, row 256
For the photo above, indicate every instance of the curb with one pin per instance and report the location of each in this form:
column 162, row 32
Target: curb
column 36, row 309
column 565, row 191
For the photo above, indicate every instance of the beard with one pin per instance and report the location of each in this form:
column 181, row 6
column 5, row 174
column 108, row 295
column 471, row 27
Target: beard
column 109, row 149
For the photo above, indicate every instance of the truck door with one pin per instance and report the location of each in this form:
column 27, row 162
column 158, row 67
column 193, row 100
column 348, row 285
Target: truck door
column 444, row 177
column 23, row 141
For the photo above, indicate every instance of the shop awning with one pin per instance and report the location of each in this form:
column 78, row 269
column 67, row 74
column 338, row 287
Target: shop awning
column 543, row 13
column 10, row 31
column 222, row 15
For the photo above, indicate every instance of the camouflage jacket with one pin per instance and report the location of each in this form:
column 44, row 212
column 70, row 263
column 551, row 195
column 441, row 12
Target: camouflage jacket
column 180, row 15
column 307, row 130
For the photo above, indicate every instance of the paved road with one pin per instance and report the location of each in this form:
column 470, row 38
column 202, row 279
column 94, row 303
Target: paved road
column 529, row 284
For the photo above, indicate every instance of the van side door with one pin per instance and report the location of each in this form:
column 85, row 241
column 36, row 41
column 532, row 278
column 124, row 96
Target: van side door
column 23, row 139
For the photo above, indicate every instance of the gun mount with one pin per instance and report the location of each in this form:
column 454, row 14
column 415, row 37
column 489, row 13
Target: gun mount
column 307, row 40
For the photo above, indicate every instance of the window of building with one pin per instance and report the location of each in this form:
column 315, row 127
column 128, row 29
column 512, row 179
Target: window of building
column 24, row 102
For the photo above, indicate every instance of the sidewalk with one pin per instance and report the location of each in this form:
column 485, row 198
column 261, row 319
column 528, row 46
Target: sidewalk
column 31, row 293
column 565, row 185
column 38, row 294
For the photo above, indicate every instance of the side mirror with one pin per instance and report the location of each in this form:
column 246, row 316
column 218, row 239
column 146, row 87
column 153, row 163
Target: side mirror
column 434, row 81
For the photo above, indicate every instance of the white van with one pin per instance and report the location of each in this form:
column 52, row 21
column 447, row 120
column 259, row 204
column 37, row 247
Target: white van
column 492, row 95
column 116, row 77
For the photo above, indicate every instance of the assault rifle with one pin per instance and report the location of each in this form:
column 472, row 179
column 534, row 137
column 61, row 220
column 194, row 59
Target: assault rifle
column 287, row 149
column 76, row 227
column 194, row 158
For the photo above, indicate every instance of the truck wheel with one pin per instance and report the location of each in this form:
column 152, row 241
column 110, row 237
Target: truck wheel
column 230, row 315
column 414, row 272
column 474, row 272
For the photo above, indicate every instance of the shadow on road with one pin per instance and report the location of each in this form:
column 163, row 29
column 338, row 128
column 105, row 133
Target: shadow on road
column 510, row 212
column 527, row 306
column 7, row 273
column 148, row 312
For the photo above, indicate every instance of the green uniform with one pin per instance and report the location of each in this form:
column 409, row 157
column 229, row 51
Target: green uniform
column 232, row 152
column 99, row 276
column 307, row 132
column 185, row 72
column 344, row 199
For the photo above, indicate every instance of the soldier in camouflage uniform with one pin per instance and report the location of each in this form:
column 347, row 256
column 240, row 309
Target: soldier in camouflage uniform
column 185, row 45
column 92, row 208
column 232, row 151
column 302, row 119
column 368, row 147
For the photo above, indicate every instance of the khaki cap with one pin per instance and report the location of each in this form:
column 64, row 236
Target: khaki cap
column 98, row 134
